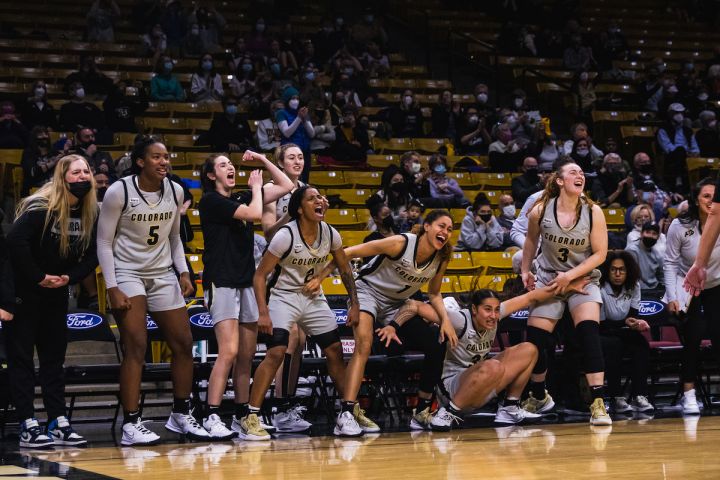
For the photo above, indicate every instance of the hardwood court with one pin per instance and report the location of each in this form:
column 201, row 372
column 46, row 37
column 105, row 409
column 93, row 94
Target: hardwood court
column 668, row 448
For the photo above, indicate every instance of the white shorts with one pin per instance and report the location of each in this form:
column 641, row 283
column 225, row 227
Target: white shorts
column 313, row 315
column 554, row 307
column 381, row 308
column 161, row 293
column 449, row 386
column 231, row 303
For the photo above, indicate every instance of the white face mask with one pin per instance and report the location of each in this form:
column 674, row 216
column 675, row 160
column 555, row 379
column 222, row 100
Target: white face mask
column 408, row 100
column 80, row 93
column 518, row 102
column 294, row 103
column 415, row 167
column 39, row 92
column 511, row 120
column 509, row 211
column 678, row 118
column 702, row 97
column 482, row 97
column 583, row 152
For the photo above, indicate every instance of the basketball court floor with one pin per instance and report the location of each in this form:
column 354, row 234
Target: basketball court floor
column 649, row 448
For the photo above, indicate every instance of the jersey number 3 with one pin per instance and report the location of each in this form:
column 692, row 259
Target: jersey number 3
column 153, row 236
column 564, row 252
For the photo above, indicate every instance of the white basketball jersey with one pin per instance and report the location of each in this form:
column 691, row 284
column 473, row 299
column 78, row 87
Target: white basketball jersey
column 302, row 261
column 142, row 244
column 281, row 206
column 472, row 347
column 399, row 278
column 564, row 249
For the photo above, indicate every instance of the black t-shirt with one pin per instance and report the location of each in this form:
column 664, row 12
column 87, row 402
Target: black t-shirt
column 228, row 255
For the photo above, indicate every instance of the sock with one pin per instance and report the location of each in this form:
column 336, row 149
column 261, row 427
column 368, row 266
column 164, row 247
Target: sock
column 348, row 406
column 597, row 391
column 241, row 410
column 511, row 402
column 213, row 410
column 253, row 410
column 454, row 409
column 424, row 403
column 537, row 389
column 131, row 417
column 181, row 405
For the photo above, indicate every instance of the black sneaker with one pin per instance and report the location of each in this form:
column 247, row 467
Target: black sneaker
column 60, row 431
column 32, row 436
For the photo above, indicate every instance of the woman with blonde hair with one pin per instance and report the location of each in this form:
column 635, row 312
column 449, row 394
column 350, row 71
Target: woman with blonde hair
column 51, row 245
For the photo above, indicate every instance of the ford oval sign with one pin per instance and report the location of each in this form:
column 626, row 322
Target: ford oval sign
column 521, row 314
column 202, row 320
column 650, row 307
column 151, row 325
column 83, row 321
column 340, row 316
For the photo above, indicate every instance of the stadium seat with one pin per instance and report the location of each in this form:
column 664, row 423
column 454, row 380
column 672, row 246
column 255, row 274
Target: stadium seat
column 493, row 262
column 323, row 178
column 615, row 218
column 450, row 284
column 193, row 215
column 382, row 161
column 351, row 196
column 364, row 179
column 195, row 262
column 460, row 262
column 400, row 145
column 333, row 285
column 353, row 237
column 343, row 217
column 429, row 145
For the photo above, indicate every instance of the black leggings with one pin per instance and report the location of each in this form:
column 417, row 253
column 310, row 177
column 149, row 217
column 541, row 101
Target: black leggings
column 416, row 334
column 694, row 329
column 619, row 343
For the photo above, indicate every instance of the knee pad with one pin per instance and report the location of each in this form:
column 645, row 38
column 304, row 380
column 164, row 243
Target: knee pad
column 279, row 338
column 542, row 341
column 588, row 332
column 324, row 340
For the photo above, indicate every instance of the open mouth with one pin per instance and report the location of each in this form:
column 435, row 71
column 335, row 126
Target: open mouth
column 319, row 211
column 441, row 238
column 579, row 183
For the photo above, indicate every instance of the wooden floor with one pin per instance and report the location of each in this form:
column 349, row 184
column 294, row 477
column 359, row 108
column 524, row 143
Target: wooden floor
column 669, row 448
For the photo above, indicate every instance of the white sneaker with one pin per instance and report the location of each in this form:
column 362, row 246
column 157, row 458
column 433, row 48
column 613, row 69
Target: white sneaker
column 640, row 403
column 442, row 420
column 620, row 405
column 138, row 434
column 689, row 403
column 237, row 428
column 32, row 436
column 63, row 434
column 186, row 424
column 291, row 421
column 515, row 415
column 217, row 429
column 347, row 426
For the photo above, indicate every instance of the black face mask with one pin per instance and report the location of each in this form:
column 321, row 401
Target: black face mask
column 649, row 242
column 647, row 169
column 531, row 172
column 388, row 222
column 101, row 193
column 485, row 217
column 398, row 187
column 84, row 145
column 80, row 189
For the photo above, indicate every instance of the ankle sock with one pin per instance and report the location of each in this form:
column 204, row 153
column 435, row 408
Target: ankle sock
column 131, row 417
column 424, row 403
column 241, row 410
column 181, row 405
column 348, row 406
column 597, row 391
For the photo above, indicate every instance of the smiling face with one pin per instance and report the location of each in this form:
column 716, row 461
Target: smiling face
column 293, row 162
column 78, row 171
column 312, row 206
column 571, row 179
column 223, row 174
column 155, row 164
column 438, row 232
column 705, row 199
column 487, row 314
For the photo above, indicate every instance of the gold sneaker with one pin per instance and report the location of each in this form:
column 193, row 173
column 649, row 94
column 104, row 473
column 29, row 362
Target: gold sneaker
column 250, row 429
column 367, row 425
column 534, row 405
column 598, row 413
column 421, row 420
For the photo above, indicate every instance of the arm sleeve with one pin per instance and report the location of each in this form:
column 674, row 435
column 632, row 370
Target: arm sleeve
column 88, row 262
column 494, row 234
column 25, row 230
column 672, row 260
column 110, row 212
column 664, row 141
column 196, row 85
column 176, row 247
column 694, row 149
column 280, row 243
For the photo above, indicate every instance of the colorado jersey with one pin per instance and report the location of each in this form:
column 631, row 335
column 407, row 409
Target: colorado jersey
column 564, row 249
column 141, row 244
column 400, row 277
column 299, row 262
column 281, row 206
column 472, row 347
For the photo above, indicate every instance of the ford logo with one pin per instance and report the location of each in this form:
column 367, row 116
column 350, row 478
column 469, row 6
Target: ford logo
column 650, row 307
column 202, row 320
column 340, row 315
column 150, row 323
column 521, row 314
column 83, row 321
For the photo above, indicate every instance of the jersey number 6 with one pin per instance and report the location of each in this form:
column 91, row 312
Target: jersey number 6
column 153, row 236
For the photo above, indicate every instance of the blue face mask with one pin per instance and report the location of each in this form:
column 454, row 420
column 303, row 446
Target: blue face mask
column 247, row 67
column 439, row 169
column 231, row 109
column 168, row 66
column 207, row 66
column 310, row 76
column 275, row 68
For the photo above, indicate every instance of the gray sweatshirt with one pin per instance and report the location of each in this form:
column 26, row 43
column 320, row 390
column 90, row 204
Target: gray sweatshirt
column 474, row 237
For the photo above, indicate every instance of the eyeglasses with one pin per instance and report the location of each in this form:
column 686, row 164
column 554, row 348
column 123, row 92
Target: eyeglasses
column 618, row 270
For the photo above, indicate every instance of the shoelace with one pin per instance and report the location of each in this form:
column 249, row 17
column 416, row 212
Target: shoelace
column 641, row 399
column 140, row 426
column 445, row 415
column 297, row 412
column 191, row 420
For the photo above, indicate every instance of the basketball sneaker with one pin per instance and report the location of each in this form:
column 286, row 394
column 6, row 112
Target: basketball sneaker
column 515, row 415
column 442, row 420
column 235, row 425
column 620, row 405
column 250, row 429
column 217, row 429
column 367, row 425
column 543, row 405
column 32, row 436
column 63, row 434
column 138, row 434
column 421, row 420
column 186, row 424
column 292, row 420
column 347, row 426
column 689, row 403
column 598, row 413
column 640, row 403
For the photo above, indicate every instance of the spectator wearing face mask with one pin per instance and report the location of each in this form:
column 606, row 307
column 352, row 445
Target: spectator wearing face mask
column 578, row 131
column 257, row 42
column 707, row 136
column 442, row 187
column 480, row 230
column 37, row 110
column 101, row 20
column 243, row 85
column 310, row 89
column 268, row 132
column 284, row 54
column 125, row 103
column 93, row 81
column 584, row 89
column 394, row 192
column 445, row 117
column 205, row 83
column 375, row 62
column 154, row 43
column 102, row 182
column 368, row 29
column 237, row 54
column 210, row 25
column 381, row 223
column 416, row 177
column 481, row 92
column 547, row 150
column 324, row 136
column 164, row 86
column 13, row 134
column 406, row 119
column 671, row 95
column 582, row 156
column 506, row 219
column 352, row 141
column 505, row 153
column 192, row 46
column 648, row 257
column 613, row 186
column 677, row 142
column 174, row 23
column 38, row 160
column 296, row 127
column 99, row 161
column 528, row 183
column 78, row 112
column 229, row 130
column 473, row 137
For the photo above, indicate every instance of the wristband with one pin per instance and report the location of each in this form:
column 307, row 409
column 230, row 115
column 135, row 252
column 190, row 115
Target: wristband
column 394, row 324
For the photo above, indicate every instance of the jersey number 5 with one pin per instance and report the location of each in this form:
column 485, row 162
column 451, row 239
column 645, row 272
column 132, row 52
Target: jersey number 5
column 564, row 252
column 153, row 236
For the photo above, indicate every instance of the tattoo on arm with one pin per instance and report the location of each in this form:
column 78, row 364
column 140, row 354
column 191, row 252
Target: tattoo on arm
column 349, row 282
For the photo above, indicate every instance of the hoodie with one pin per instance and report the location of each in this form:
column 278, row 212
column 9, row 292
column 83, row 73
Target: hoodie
column 474, row 237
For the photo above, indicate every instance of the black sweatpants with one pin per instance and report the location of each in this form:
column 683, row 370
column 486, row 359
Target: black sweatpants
column 618, row 343
column 418, row 335
column 695, row 328
column 39, row 322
